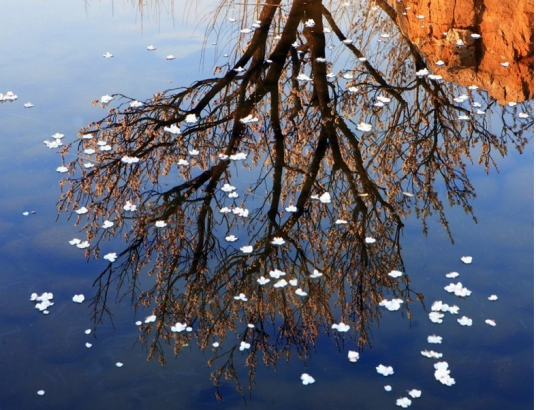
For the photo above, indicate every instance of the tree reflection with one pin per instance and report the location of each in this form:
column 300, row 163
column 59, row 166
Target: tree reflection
column 304, row 131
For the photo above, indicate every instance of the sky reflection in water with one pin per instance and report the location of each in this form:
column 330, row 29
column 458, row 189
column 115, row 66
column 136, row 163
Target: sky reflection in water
column 489, row 364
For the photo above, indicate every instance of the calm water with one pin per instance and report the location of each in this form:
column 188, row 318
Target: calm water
column 52, row 57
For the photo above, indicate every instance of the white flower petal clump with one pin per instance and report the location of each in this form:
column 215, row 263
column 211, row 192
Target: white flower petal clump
column 442, row 374
column 385, row 370
column 306, row 379
column 341, row 327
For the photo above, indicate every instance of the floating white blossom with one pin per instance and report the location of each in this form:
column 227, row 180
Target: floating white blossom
column 249, row 119
column 82, row 245
column 136, row 104
column 452, row 275
column 303, row 77
column 523, row 115
column 74, row 241
column 278, row 241
column 44, row 301
column 353, row 356
column 320, row 60
column 238, row 156
column 105, row 99
column 151, row 48
column 231, row 238
column 458, row 289
column 130, row 160
column 276, row 273
column 491, row 322
column 241, row 297
column 341, row 327
column 170, row 57
column 228, row 188
column 179, row 327
column 78, row 298
column 505, row 64
column 431, row 354
column 107, row 55
column 341, row 222
column 368, row 239
column 193, row 152
column 440, row 63
column 434, row 339
column 239, row 69
column 112, row 256
column 40, row 392
column 387, row 387
column 62, row 169
column 241, row 212
column 173, row 129
column 492, row 297
column 246, row 30
column 301, row 292
column 364, row 127
column 191, row 119
column 247, row 249
column 385, row 370
column 87, row 331
column 391, row 305
column 309, row 23
column 89, row 165
column 422, row 73
column 325, row 198
column 395, row 274
column 281, row 283
column 215, row 344
column 436, row 317
column 244, row 346
column 475, row 35
column 107, row 224
column 442, row 374
column 53, row 144
column 315, row 274
column 150, row 319
column 88, row 345
column 306, row 379
column 129, row 206
column 439, row 306
column 263, row 281
column 465, row 321
column 467, row 259
column 347, row 41
column 225, row 210
column 291, row 208
column 293, row 282
column 403, row 402
column 182, row 162
column 435, row 77
column 119, row 364
column 82, row 211
column 9, row 96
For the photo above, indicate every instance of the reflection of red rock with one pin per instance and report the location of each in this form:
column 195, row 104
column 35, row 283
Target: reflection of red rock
column 507, row 36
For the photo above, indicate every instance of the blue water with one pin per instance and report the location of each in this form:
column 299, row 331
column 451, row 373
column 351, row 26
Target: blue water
column 52, row 56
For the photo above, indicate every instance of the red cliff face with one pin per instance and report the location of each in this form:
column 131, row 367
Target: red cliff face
column 500, row 61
